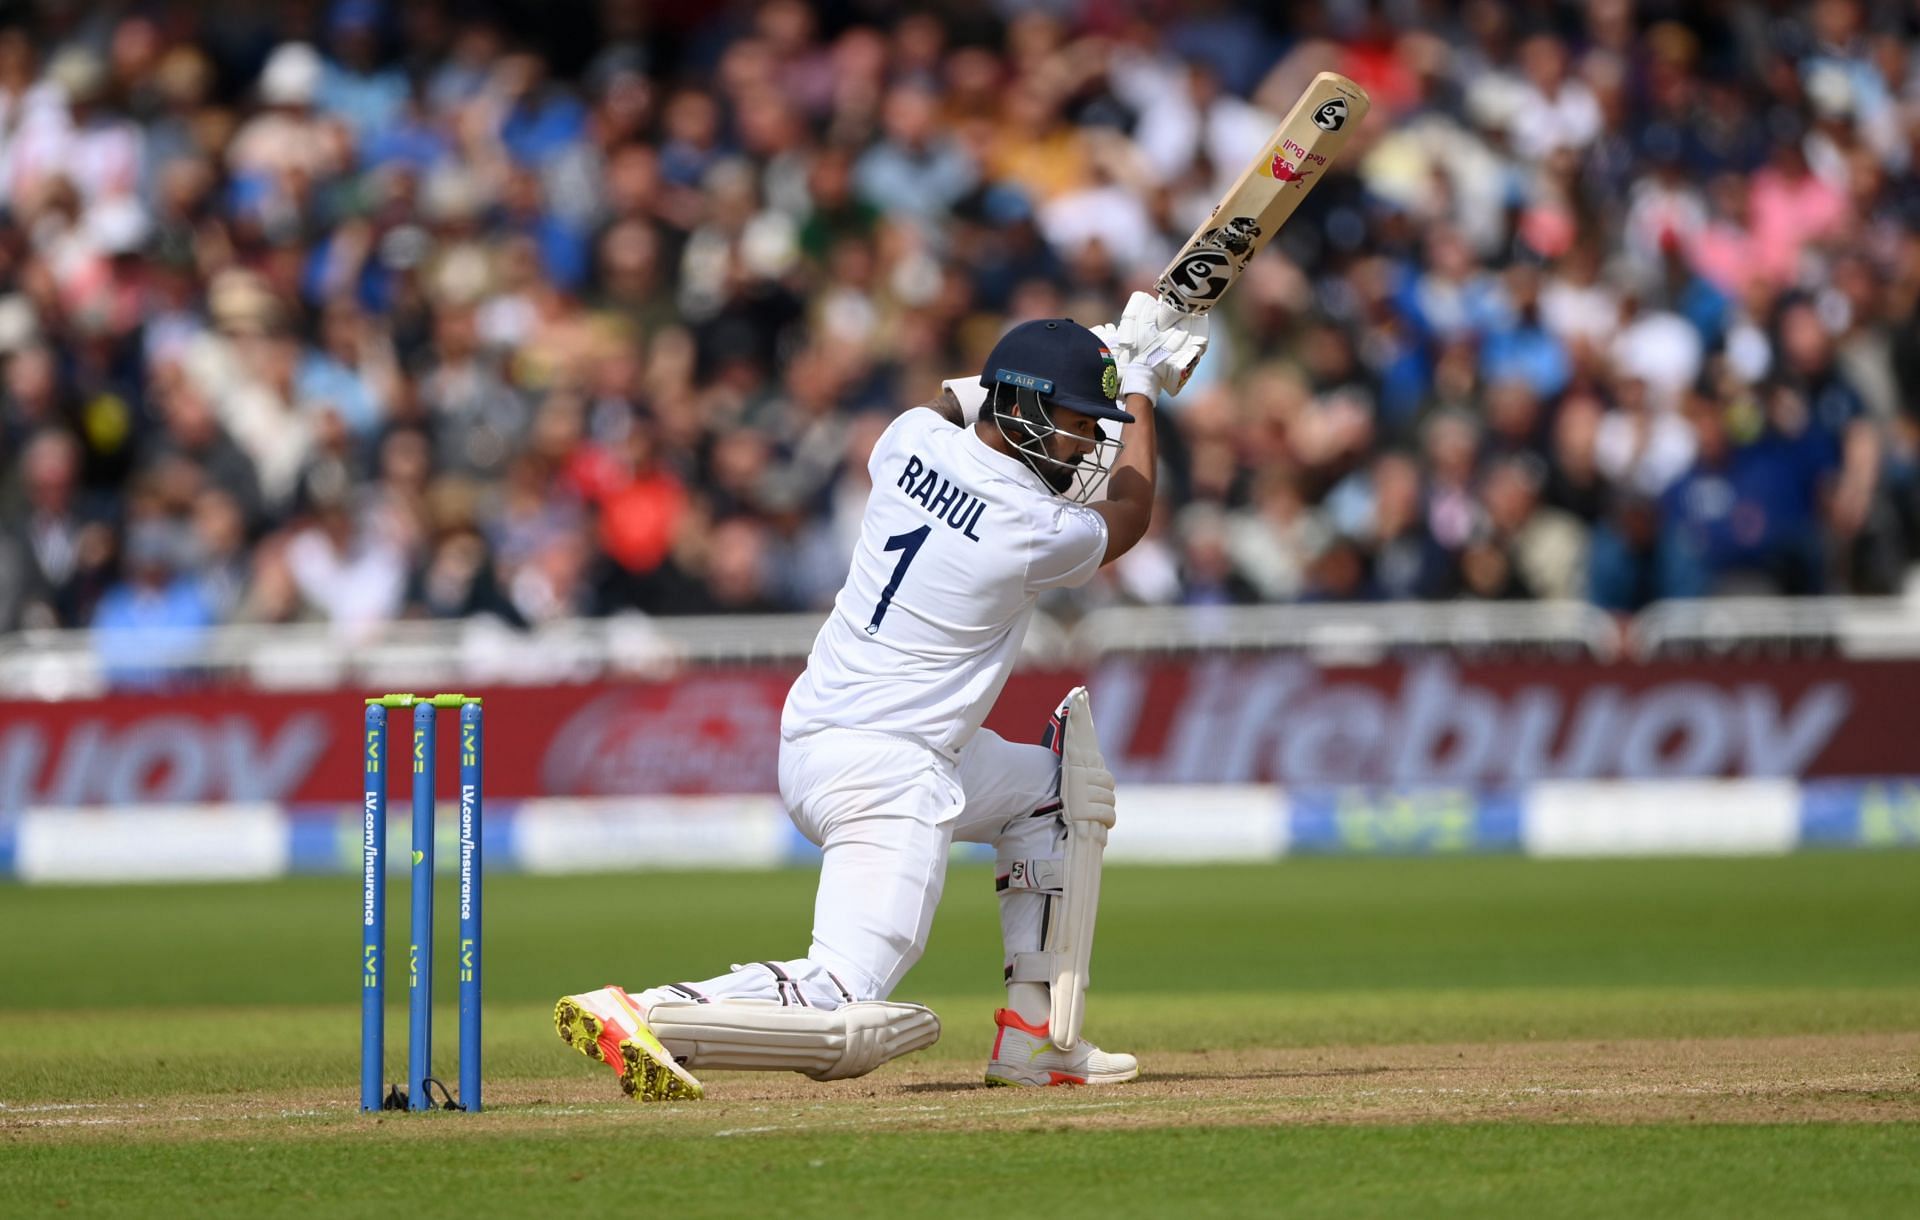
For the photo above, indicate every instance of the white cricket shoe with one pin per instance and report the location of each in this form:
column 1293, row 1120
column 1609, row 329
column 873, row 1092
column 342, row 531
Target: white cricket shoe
column 608, row 1025
column 1024, row 1054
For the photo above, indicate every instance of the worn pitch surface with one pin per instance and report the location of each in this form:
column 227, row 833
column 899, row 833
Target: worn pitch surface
column 1485, row 1036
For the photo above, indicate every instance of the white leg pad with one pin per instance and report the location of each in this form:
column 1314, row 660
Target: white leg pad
column 1039, row 876
column 762, row 1036
column 1087, row 805
column 1031, row 968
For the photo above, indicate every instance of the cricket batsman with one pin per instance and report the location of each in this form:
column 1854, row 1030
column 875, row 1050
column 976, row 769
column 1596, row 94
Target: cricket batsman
column 982, row 500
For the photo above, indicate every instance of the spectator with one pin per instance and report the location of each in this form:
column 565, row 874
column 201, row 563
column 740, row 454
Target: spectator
column 1035, row 148
column 1406, row 564
column 915, row 171
column 1519, row 347
column 355, row 86
column 440, row 318
column 1545, row 547
column 642, row 516
column 476, row 417
column 157, row 617
column 191, row 434
column 67, row 543
column 286, row 134
column 247, row 366
column 737, row 572
column 1736, row 522
column 103, row 152
column 351, row 371
column 346, row 571
column 540, row 118
column 1639, row 447
column 1208, row 572
column 1553, row 110
column 1273, row 540
column 1821, row 418
column 223, row 552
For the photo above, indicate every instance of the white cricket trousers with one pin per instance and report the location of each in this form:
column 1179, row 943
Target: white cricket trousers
column 884, row 811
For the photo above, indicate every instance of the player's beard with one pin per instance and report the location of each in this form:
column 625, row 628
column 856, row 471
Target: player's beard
column 1060, row 473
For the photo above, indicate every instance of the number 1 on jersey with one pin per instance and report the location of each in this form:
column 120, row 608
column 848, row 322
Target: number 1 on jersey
column 908, row 544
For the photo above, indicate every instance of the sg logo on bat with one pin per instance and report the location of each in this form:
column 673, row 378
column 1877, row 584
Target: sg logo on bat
column 1332, row 114
column 1200, row 278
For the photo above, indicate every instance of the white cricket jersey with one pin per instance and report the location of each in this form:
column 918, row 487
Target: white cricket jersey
column 956, row 543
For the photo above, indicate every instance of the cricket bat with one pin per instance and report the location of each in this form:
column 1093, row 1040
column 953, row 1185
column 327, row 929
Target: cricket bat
column 1290, row 164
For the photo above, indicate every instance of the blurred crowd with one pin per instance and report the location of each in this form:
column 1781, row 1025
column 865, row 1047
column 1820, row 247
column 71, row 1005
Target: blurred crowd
column 363, row 311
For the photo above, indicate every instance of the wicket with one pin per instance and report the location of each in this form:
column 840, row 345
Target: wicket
column 373, row 907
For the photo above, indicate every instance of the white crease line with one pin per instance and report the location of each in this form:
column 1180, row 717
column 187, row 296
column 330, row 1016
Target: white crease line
column 1092, row 1105
column 819, row 1107
column 159, row 1119
column 50, row 1107
column 868, row 1122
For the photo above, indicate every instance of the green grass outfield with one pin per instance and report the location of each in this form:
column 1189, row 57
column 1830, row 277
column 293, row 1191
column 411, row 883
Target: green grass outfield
column 166, row 1048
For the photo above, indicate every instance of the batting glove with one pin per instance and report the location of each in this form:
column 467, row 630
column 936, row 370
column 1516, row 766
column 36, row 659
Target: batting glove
column 1155, row 345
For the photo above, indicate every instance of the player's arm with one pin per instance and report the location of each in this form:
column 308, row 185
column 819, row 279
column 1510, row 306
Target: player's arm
column 1128, row 508
column 960, row 401
column 1157, row 348
column 947, row 407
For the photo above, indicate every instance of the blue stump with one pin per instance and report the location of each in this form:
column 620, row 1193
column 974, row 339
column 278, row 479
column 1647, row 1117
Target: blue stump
column 373, row 911
column 420, row 959
column 470, row 882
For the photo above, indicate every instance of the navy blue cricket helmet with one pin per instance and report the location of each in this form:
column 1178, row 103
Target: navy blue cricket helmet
column 1053, row 363
column 1063, row 362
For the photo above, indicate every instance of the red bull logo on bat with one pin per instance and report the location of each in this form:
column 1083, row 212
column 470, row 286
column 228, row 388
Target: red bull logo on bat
column 1286, row 171
column 1293, row 163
